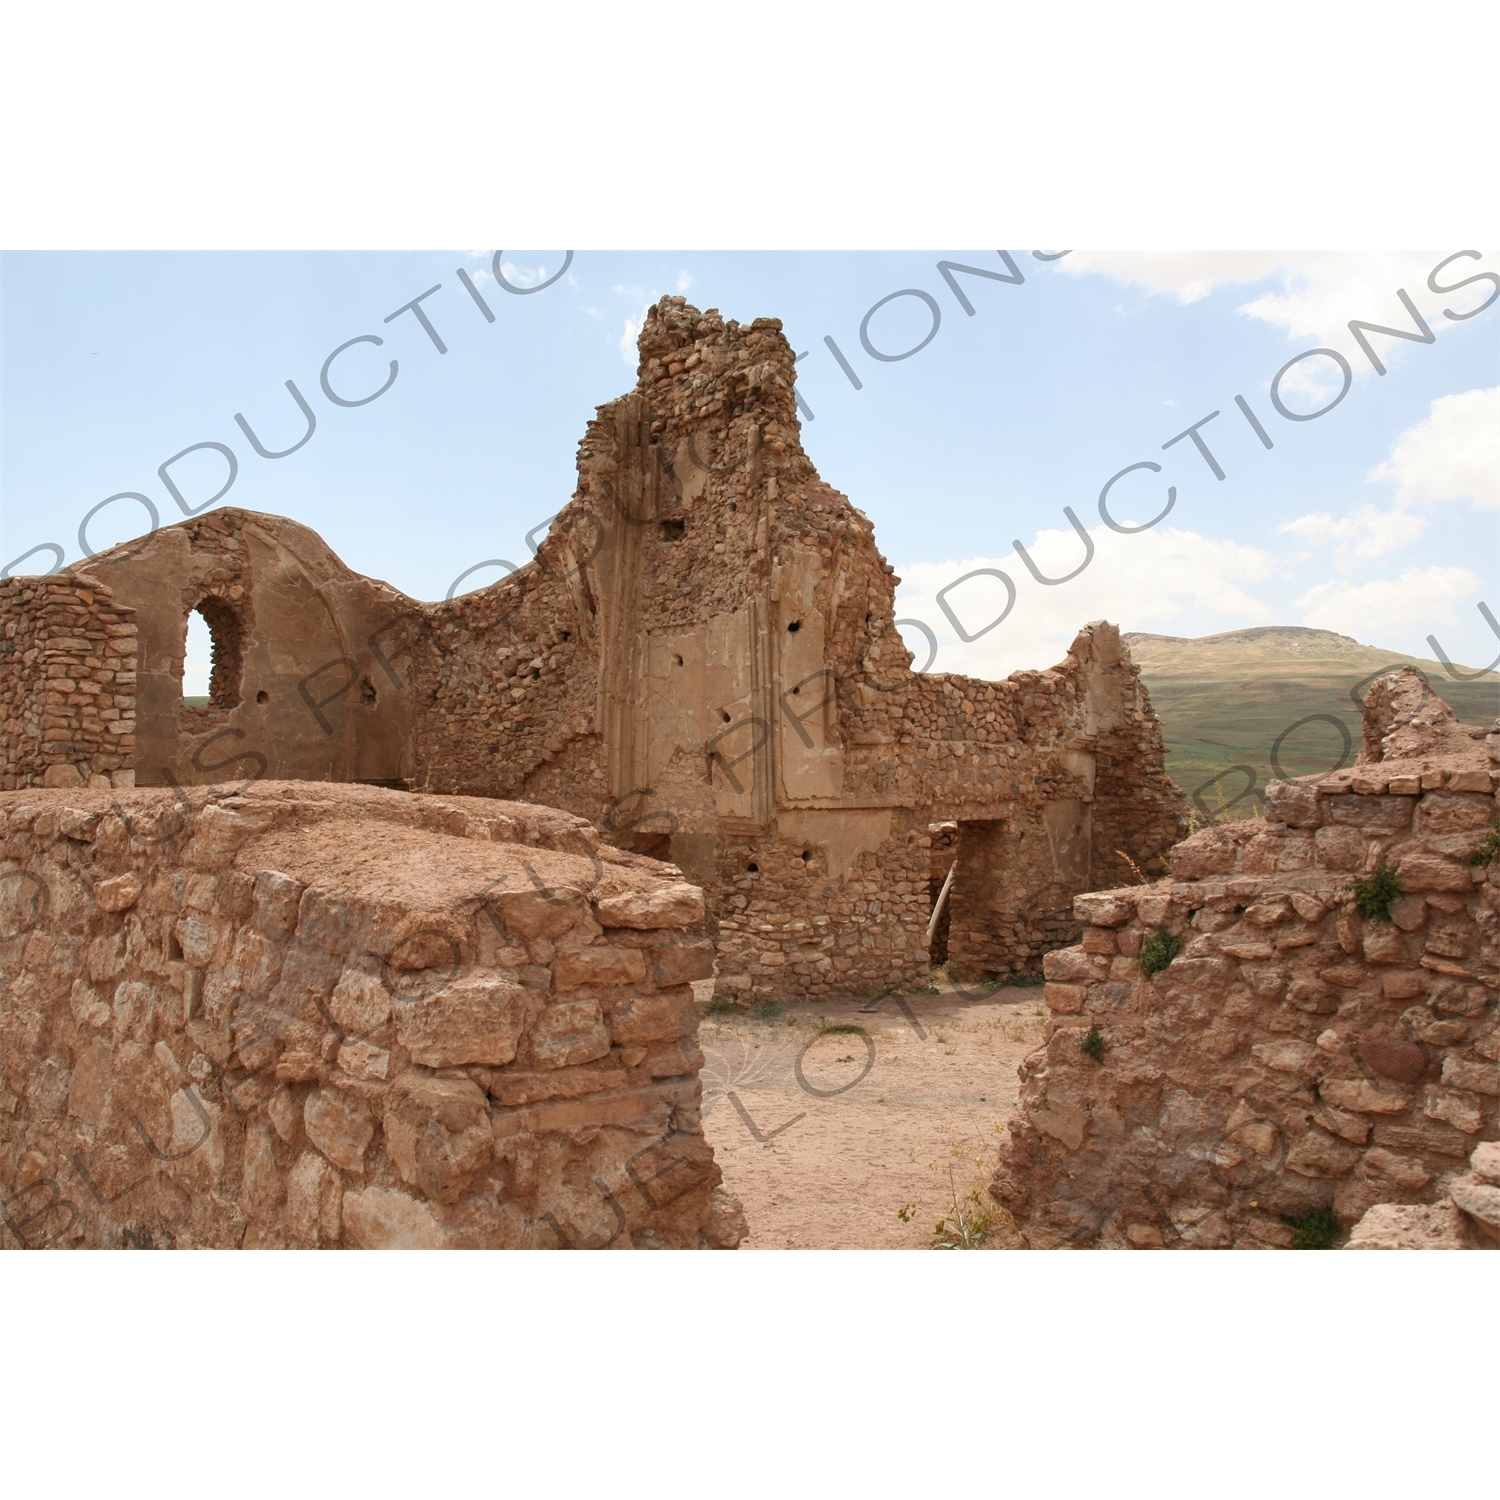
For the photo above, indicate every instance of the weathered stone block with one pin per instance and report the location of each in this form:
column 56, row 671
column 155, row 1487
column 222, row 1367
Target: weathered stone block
column 1464, row 1111
column 119, row 894
column 1385, row 945
column 1298, row 1058
column 1478, row 1077
column 668, row 906
column 682, row 963
column 535, row 914
column 338, row 1128
column 360, row 1002
column 569, row 1033
column 1430, row 872
column 479, row 1018
column 1064, row 999
column 650, row 1019
column 1385, row 814
column 1107, row 909
column 1405, row 1173
column 380, row 1218
column 1293, row 803
column 604, row 966
column 1399, row 1226
column 1318, row 1154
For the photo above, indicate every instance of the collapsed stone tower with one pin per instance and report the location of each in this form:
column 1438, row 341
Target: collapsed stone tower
column 701, row 659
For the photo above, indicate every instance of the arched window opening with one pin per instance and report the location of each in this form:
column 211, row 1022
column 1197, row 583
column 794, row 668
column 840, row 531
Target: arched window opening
column 213, row 656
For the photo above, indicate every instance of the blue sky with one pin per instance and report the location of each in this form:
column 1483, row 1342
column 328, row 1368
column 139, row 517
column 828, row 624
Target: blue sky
column 1377, row 519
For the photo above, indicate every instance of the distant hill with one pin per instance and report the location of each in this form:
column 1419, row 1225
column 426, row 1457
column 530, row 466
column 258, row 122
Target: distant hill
column 1226, row 699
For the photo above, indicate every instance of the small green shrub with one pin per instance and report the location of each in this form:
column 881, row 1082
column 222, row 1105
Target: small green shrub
column 1024, row 981
column 1489, row 846
column 842, row 1031
column 1093, row 1044
column 768, row 1010
column 1159, row 949
column 1373, row 895
column 1315, row 1229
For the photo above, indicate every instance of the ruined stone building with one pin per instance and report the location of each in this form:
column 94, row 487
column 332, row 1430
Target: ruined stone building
column 701, row 660
column 1256, row 1038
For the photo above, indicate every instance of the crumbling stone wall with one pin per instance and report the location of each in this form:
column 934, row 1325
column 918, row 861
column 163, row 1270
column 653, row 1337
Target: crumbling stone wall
column 702, row 660
column 312, row 1015
column 308, row 656
column 67, row 684
column 1294, row 1054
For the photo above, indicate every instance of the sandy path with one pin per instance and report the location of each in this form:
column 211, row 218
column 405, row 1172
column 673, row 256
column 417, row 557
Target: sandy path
column 820, row 1164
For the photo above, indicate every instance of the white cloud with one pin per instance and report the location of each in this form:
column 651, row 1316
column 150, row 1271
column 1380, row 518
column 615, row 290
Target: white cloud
column 1453, row 455
column 1365, row 533
column 526, row 275
column 684, row 281
column 628, row 351
column 1143, row 582
column 1316, row 294
column 1420, row 597
column 1188, row 276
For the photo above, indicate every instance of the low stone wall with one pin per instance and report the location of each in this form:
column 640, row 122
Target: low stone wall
column 291, row 1014
column 1294, row 1054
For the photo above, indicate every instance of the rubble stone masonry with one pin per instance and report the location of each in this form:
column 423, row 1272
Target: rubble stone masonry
column 701, row 659
column 1294, row 1054
column 311, row 1015
column 67, row 684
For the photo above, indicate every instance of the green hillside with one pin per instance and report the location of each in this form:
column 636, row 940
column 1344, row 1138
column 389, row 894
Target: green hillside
column 1227, row 699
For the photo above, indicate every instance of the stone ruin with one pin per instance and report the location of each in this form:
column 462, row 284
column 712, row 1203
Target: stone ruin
column 301, row 1015
column 701, row 660
column 390, row 942
column 1295, row 1055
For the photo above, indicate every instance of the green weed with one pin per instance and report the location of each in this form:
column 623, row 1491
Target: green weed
column 1159, row 949
column 1373, row 895
column 1315, row 1229
column 1489, row 846
column 1093, row 1044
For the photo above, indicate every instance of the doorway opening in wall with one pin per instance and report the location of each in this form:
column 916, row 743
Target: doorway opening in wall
column 652, row 845
column 940, row 876
column 213, row 656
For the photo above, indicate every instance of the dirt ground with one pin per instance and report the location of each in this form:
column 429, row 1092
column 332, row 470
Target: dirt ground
column 867, row 1138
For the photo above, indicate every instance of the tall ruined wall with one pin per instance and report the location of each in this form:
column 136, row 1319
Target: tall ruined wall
column 702, row 660
column 332, row 1016
column 67, row 684
column 1295, row 1054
